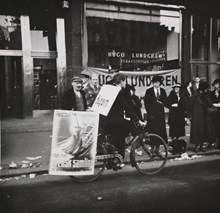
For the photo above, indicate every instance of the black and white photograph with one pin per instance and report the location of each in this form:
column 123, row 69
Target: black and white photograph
column 110, row 106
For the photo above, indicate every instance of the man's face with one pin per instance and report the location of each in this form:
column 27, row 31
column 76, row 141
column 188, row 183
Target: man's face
column 123, row 84
column 197, row 79
column 216, row 86
column 156, row 84
column 77, row 85
column 94, row 80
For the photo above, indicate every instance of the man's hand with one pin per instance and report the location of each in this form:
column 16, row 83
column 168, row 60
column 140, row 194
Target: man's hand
column 174, row 105
column 142, row 123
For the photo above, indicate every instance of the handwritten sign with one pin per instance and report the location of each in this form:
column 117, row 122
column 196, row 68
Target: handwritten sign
column 105, row 99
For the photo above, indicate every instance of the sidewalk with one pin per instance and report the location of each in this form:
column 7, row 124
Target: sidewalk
column 26, row 143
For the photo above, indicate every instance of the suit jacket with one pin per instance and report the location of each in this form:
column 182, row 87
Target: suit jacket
column 155, row 112
column 69, row 100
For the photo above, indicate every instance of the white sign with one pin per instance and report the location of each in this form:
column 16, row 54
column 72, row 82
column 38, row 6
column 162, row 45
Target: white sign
column 74, row 142
column 105, row 99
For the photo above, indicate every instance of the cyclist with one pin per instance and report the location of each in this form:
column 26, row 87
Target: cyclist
column 115, row 123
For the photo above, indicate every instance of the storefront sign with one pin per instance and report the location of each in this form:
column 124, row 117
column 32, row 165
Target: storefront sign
column 74, row 142
column 142, row 80
column 138, row 57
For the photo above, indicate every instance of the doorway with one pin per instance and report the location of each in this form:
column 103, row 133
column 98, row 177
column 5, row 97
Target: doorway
column 11, row 87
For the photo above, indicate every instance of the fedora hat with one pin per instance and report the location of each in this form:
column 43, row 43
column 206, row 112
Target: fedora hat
column 176, row 85
column 157, row 78
column 216, row 81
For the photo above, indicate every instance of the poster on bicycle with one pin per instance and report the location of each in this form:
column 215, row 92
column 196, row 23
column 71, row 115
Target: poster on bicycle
column 74, row 141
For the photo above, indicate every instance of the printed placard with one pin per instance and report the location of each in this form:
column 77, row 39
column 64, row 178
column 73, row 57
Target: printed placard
column 105, row 99
column 74, row 141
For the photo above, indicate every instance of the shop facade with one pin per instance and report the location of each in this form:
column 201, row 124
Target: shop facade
column 40, row 54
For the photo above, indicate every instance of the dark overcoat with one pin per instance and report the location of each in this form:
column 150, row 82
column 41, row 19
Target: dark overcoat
column 155, row 112
column 176, row 119
column 69, row 100
column 202, row 125
column 188, row 100
column 216, row 100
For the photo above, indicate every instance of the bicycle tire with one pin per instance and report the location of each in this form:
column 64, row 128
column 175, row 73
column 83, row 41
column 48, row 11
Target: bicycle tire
column 99, row 167
column 143, row 159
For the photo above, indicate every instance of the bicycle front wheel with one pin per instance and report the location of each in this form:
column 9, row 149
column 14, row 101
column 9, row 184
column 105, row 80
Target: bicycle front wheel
column 99, row 168
column 149, row 155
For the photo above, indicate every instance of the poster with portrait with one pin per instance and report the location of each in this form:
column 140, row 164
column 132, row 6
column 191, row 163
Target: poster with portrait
column 74, row 141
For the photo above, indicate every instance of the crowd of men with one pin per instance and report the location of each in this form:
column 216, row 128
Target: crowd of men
column 191, row 104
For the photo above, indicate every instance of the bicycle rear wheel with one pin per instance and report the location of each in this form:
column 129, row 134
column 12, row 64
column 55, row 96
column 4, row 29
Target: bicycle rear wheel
column 149, row 155
column 99, row 166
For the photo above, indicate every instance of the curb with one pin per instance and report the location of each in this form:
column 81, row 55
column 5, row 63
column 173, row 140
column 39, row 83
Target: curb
column 44, row 169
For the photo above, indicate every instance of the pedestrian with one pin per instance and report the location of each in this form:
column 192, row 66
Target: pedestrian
column 176, row 106
column 215, row 97
column 74, row 98
column 187, row 96
column 85, row 75
column 202, row 125
column 154, row 101
column 92, row 89
column 134, row 100
column 195, row 85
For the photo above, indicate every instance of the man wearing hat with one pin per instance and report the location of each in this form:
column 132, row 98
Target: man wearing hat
column 74, row 98
column 154, row 100
column 202, row 125
column 85, row 75
column 215, row 97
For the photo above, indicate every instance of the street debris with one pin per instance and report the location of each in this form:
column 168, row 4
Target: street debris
column 25, row 161
column 32, row 175
column 99, row 198
column 33, row 158
column 13, row 165
column 0, row 167
column 185, row 156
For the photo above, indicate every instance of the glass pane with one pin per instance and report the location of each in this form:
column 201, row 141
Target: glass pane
column 45, row 84
column 200, row 70
column 200, row 38
column 216, row 40
column 130, row 41
column 10, row 32
column 42, row 34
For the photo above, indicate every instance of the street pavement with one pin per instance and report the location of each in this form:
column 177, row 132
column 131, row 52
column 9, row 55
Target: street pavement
column 26, row 145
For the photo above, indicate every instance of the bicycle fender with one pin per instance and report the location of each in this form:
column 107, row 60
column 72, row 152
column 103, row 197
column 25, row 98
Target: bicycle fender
column 132, row 153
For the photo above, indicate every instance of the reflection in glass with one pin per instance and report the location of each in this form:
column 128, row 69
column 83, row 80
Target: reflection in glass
column 200, row 38
column 10, row 32
column 134, row 42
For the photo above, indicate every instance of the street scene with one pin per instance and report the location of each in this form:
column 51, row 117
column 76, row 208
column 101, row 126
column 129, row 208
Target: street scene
column 110, row 106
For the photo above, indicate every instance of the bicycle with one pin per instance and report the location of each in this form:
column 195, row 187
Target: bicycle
column 148, row 154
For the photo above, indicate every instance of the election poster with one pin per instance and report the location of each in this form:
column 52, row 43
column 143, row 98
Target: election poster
column 74, row 141
column 105, row 99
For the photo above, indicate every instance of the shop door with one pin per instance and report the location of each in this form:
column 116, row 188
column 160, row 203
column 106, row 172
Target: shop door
column 11, row 87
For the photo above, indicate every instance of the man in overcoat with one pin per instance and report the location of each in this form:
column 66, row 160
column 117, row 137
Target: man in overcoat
column 154, row 100
column 74, row 98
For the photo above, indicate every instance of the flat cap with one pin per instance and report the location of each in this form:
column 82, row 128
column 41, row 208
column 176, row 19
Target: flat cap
column 77, row 79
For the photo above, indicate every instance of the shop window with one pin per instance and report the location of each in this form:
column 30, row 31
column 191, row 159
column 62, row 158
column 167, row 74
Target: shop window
column 200, row 70
column 132, row 39
column 200, row 38
column 42, row 34
column 10, row 32
column 45, row 84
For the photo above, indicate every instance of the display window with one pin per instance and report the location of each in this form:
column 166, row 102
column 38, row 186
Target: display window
column 132, row 39
column 10, row 32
